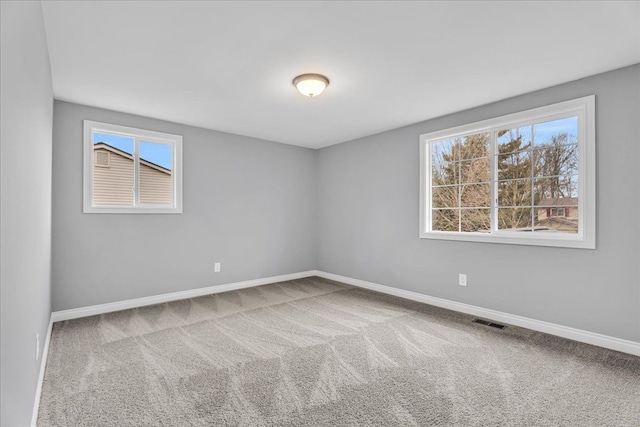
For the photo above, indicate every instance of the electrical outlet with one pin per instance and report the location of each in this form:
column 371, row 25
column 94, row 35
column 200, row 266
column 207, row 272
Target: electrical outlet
column 216, row 267
column 462, row 279
column 37, row 346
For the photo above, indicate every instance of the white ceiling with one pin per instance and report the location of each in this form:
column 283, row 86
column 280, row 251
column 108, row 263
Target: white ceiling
column 228, row 65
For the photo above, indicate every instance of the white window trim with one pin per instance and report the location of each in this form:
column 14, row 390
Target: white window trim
column 584, row 109
column 139, row 134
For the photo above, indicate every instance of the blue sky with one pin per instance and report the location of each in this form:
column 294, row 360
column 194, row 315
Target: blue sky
column 542, row 132
column 159, row 154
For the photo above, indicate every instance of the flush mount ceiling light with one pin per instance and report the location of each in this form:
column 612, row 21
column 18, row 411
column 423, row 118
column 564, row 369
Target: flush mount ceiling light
column 311, row 84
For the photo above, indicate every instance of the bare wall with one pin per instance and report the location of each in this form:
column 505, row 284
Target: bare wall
column 249, row 204
column 368, row 201
column 25, row 248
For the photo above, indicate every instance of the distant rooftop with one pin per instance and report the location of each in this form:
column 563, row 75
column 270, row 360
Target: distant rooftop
column 130, row 156
column 559, row 201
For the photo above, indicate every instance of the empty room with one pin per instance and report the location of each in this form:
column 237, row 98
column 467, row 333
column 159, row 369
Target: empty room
column 320, row 213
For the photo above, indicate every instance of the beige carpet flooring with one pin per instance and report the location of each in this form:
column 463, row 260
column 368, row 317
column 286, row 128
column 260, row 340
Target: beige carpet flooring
column 313, row 352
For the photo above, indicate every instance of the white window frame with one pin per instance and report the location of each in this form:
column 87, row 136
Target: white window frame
column 584, row 109
column 90, row 127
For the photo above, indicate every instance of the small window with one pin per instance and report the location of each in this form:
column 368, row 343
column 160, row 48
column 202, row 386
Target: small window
column 525, row 178
column 128, row 170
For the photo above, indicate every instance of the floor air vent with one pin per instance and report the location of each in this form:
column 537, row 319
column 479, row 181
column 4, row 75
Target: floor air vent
column 487, row 323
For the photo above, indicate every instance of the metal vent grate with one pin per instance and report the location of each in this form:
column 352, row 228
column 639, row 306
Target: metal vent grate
column 102, row 159
column 487, row 323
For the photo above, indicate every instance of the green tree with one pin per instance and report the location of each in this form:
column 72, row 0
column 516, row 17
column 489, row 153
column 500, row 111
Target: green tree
column 461, row 169
column 514, row 183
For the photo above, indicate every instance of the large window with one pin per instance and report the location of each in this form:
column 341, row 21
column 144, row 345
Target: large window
column 525, row 178
column 129, row 170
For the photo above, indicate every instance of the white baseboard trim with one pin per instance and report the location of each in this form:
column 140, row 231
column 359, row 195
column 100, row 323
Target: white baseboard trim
column 43, row 365
column 613, row 343
column 75, row 313
column 592, row 338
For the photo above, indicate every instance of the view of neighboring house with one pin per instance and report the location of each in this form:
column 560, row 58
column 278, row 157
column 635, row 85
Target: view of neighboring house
column 559, row 214
column 113, row 179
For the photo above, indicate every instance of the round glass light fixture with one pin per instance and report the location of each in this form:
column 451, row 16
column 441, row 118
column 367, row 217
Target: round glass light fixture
column 311, row 84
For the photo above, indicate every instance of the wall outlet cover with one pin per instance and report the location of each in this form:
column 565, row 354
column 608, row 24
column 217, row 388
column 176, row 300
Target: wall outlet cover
column 462, row 279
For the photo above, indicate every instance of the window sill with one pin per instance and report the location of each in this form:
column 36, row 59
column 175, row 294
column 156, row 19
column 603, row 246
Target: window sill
column 138, row 210
column 514, row 239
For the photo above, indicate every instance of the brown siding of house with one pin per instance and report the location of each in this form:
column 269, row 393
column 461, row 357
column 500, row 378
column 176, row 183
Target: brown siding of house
column 156, row 187
column 113, row 185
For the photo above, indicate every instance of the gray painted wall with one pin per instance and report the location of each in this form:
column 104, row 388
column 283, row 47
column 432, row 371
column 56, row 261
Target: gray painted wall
column 249, row 204
column 25, row 248
column 369, row 215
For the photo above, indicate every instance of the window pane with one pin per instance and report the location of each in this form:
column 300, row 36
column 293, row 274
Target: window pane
column 477, row 170
column 515, row 193
column 445, row 173
column 512, row 140
column 475, row 195
column 474, row 146
column 156, row 180
column 514, row 165
column 113, row 170
column 447, row 150
column 556, row 160
column 514, row 219
column 445, row 219
column 475, row 220
column 556, row 132
column 445, row 197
